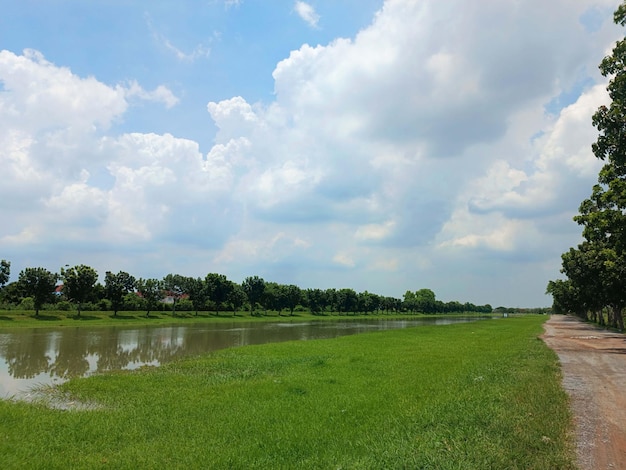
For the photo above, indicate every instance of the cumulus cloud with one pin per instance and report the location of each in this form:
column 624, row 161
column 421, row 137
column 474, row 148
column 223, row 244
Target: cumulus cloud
column 160, row 94
column 428, row 129
column 54, row 146
column 418, row 153
column 307, row 13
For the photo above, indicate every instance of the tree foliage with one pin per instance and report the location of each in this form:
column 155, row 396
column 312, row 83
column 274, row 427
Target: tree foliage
column 151, row 290
column 38, row 284
column 254, row 287
column 5, row 272
column 78, row 283
column 174, row 286
column 116, row 286
column 596, row 269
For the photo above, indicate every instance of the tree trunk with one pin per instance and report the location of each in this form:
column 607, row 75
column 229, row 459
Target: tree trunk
column 617, row 320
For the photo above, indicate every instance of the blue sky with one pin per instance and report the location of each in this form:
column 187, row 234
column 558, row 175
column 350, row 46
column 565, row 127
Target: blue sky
column 377, row 145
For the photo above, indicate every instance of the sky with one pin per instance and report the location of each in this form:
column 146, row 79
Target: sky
column 375, row 145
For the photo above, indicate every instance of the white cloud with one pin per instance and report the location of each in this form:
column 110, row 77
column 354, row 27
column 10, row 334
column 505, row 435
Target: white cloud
column 41, row 96
column 307, row 13
column 200, row 51
column 421, row 132
column 160, row 94
column 417, row 153
column 344, row 259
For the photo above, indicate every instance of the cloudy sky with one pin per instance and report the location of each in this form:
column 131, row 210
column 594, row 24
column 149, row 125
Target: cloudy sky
column 377, row 145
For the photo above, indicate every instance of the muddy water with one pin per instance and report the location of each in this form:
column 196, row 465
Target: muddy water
column 33, row 357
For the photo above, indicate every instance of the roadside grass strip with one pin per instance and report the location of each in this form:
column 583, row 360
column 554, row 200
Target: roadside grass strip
column 466, row 396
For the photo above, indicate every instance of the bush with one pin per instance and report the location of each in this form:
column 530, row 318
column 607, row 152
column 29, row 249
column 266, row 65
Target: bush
column 89, row 307
column 184, row 305
column 27, row 303
column 132, row 302
column 64, row 306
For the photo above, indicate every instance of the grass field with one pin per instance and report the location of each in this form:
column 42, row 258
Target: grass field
column 48, row 318
column 482, row 395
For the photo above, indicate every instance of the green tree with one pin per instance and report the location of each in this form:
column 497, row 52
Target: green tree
column 11, row 293
column 316, row 300
column 292, row 296
column 272, row 297
column 425, row 300
column 218, row 287
column 597, row 269
column 79, row 283
column 564, row 295
column 347, row 300
column 116, row 286
column 39, row 284
column 235, row 296
column 368, row 302
column 5, row 272
column 174, row 288
column 254, row 287
column 410, row 301
column 197, row 291
column 151, row 291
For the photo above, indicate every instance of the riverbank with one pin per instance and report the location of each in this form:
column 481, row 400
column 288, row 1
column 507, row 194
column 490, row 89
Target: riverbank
column 57, row 318
column 594, row 375
column 473, row 395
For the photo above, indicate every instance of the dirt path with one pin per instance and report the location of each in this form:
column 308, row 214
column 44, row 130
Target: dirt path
column 594, row 375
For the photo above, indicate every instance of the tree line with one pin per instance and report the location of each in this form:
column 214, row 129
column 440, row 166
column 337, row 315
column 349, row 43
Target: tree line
column 594, row 287
column 78, row 288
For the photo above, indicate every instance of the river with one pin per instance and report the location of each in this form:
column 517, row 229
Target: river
column 35, row 357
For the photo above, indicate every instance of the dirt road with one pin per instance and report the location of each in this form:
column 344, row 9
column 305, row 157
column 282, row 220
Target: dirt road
column 594, row 375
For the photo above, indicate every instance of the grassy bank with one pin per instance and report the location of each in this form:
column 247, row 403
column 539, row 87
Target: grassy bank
column 54, row 318
column 466, row 396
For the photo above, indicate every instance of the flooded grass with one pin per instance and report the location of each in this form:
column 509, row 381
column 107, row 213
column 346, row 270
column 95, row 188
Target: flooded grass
column 27, row 319
column 475, row 395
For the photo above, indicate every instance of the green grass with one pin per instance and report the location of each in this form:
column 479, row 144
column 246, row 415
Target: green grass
column 55, row 318
column 482, row 395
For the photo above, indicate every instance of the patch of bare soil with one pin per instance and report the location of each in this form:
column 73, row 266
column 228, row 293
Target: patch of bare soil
column 593, row 364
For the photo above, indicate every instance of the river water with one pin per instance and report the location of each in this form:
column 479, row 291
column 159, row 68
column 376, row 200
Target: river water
column 35, row 357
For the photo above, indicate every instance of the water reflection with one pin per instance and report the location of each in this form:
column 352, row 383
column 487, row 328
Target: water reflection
column 30, row 357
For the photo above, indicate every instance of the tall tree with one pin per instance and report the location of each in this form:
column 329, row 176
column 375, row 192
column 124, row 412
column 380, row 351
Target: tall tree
column 235, row 296
column 152, row 292
column 197, row 291
column 597, row 269
column 5, row 272
column 292, row 296
column 38, row 283
column 174, row 288
column 254, row 287
column 316, row 300
column 347, row 300
column 116, row 286
column 218, row 287
column 425, row 300
column 79, row 283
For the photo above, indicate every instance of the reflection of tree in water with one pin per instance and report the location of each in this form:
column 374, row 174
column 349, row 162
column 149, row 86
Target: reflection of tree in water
column 107, row 346
column 26, row 355
column 119, row 348
column 71, row 354
column 199, row 342
column 160, row 345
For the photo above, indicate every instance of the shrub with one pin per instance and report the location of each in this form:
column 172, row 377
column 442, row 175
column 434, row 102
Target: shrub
column 27, row 303
column 64, row 306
